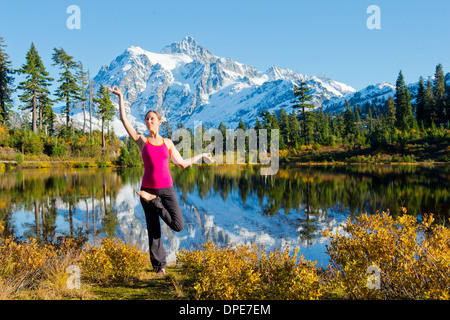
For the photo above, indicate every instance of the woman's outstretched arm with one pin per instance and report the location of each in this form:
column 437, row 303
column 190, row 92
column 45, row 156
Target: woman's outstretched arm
column 123, row 117
column 184, row 163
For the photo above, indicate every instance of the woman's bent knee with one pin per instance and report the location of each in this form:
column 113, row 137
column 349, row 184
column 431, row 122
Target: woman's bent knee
column 178, row 227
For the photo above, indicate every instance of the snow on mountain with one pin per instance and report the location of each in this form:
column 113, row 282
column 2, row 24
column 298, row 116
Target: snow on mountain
column 186, row 83
column 380, row 91
column 375, row 93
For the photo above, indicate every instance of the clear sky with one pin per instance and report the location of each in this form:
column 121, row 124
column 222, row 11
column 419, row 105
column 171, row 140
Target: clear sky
column 311, row 37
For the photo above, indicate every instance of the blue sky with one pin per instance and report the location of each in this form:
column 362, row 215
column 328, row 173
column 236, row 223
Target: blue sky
column 311, row 37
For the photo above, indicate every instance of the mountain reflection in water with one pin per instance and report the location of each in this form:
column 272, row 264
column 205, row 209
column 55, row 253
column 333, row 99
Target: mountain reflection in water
column 228, row 205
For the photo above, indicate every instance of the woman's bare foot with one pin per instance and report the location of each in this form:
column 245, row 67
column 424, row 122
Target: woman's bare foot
column 161, row 272
column 146, row 196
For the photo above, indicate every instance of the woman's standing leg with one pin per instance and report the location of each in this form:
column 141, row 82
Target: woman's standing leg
column 156, row 247
column 166, row 206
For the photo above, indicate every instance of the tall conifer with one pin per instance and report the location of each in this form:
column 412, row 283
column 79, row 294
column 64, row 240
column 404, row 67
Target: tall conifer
column 420, row 102
column 302, row 101
column 68, row 91
column 105, row 110
column 6, row 84
column 34, row 87
column 430, row 110
column 402, row 104
column 439, row 93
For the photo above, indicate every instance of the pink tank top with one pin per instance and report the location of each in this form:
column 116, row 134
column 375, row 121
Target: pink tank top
column 156, row 166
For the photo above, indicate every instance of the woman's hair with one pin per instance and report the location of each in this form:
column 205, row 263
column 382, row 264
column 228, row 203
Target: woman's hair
column 155, row 112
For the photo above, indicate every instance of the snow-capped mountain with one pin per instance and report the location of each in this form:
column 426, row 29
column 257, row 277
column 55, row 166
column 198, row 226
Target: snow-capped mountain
column 186, row 83
column 375, row 93
column 380, row 91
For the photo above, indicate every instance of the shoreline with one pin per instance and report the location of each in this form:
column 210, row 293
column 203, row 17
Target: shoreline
column 13, row 165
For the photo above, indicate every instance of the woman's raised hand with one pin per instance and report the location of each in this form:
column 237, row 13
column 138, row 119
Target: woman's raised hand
column 114, row 90
column 208, row 157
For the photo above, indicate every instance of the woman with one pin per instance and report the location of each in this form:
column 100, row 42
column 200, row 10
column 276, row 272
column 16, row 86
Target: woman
column 157, row 194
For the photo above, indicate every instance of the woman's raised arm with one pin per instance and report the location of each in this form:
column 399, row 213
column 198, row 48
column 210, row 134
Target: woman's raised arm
column 184, row 163
column 123, row 117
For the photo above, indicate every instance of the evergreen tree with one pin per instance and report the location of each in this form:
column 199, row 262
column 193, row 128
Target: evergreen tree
column 266, row 118
column 430, row 110
column 302, row 102
column 284, row 129
column 82, row 78
column 90, row 87
column 439, row 94
column 369, row 119
column 241, row 125
column 46, row 114
column 420, row 102
column 378, row 137
column 389, row 119
column 294, row 130
column 322, row 129
column 402, row 104
column 338, row 125
column 447, row 98
column 35, row 85
column 105, row 109
column 350, row 129
column 167, row 129
column 357, row 119
column 68, row 91
column 223, row 130
column 6, row 84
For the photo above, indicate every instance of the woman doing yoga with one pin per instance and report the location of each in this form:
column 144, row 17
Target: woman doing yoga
column 157, row 194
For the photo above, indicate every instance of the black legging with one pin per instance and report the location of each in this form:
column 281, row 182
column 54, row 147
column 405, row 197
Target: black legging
column 166, row 206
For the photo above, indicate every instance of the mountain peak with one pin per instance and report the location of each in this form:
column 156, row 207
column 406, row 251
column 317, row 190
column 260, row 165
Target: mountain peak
column 190, row 47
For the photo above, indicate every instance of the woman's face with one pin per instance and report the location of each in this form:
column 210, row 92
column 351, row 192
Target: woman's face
column 152, row 122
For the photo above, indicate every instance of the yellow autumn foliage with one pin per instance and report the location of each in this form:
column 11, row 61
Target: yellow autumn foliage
column 412, row 257
column 244, row 272
column 112, row 261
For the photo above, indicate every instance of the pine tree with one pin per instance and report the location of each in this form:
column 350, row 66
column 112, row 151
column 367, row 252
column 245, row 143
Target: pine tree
column 294, row 130
column 46, row 115
column 420, row 102
column 439, row 94
column 350, row 129
column 266, row 118
column 6, row 84
column 68, row 91
column 90, row 88
column 402, row 104
column 167, row 129
column 369, row 118
column 105, row 109
column 322, row 129
column 223, row 130
column 447, row 98
column 284, row 129
column 389, row 119
column 241, row 125
column 83, row 83
column 35, row 85
column 302, row 102
column 430, row 110
column 338, row 125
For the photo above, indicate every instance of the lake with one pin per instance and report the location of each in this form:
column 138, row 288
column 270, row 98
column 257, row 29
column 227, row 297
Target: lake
column 227, row 204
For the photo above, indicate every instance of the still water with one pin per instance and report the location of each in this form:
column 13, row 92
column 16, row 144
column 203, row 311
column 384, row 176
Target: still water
column 229, row 205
